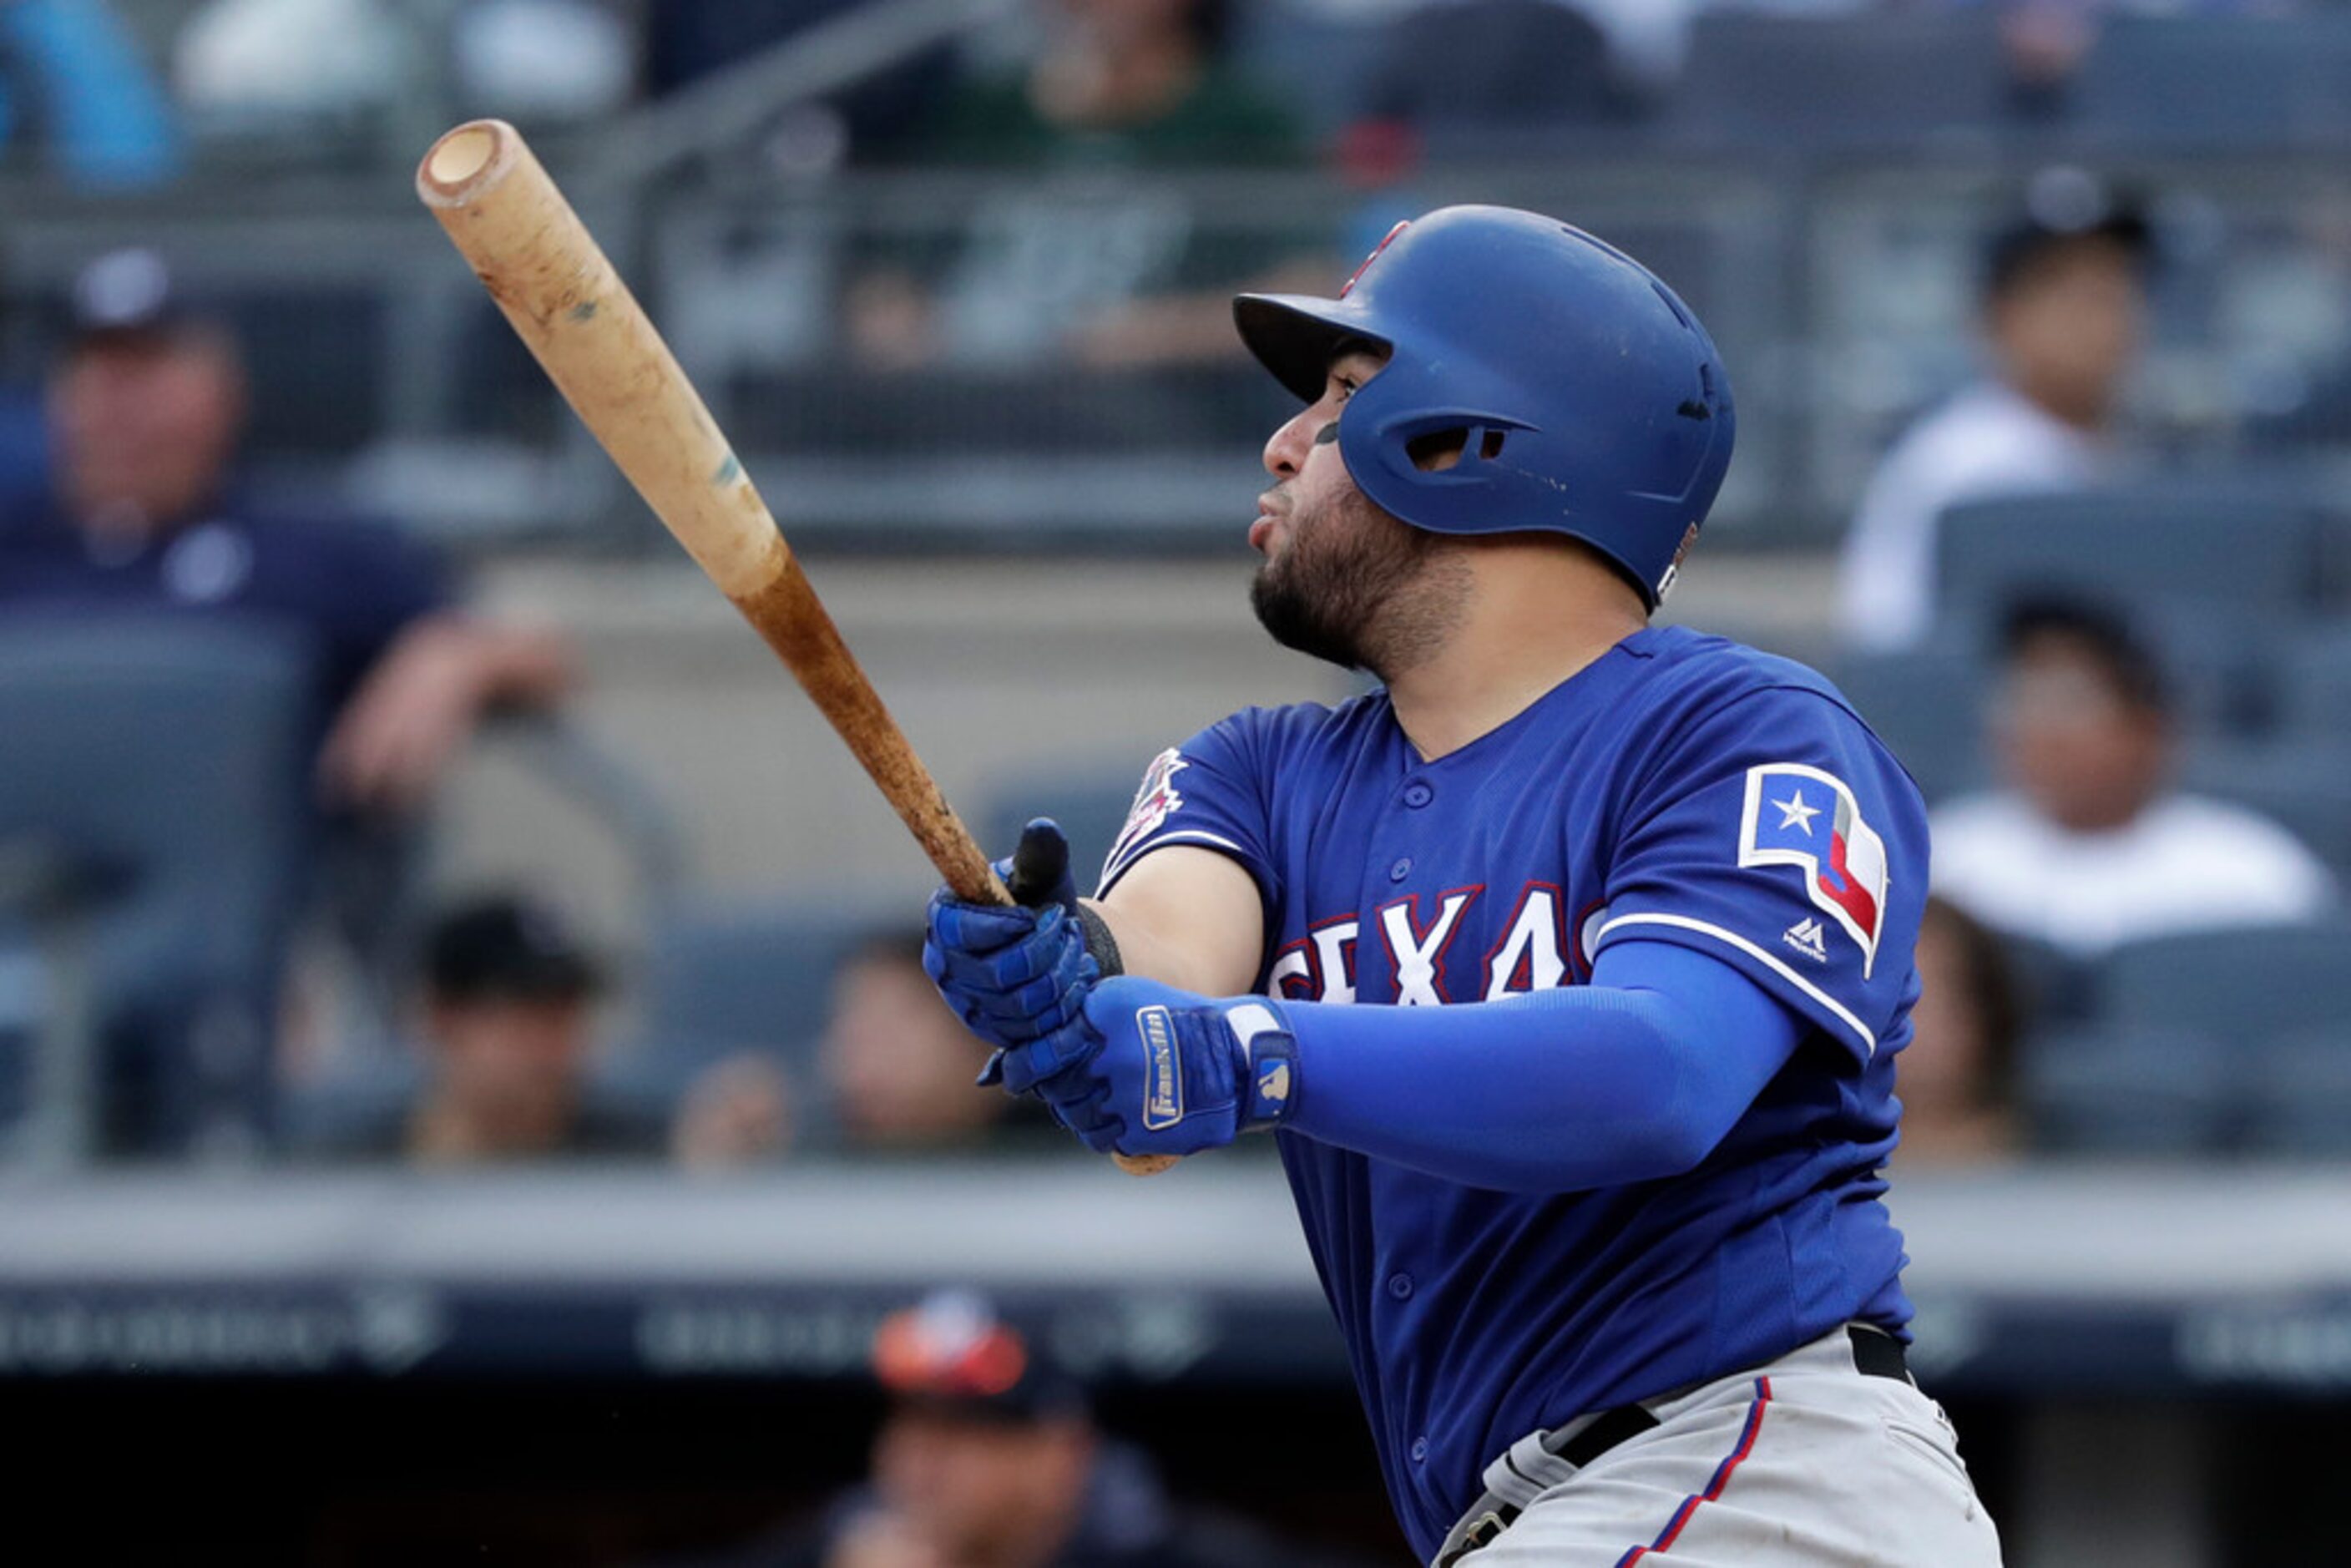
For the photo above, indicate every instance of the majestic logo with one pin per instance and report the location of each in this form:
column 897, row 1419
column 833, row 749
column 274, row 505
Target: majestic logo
column 1801, row 817
column 1806, row 938
column 1163, row 1096
column 1156, row 800
column 1247, row 1021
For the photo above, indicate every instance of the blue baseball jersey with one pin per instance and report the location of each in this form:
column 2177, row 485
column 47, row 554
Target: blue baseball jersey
column 1681, row 789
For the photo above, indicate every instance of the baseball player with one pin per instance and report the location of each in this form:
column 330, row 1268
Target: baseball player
column 1569, row 967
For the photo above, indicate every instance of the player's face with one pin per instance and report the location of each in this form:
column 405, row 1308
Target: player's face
column 1342, row 579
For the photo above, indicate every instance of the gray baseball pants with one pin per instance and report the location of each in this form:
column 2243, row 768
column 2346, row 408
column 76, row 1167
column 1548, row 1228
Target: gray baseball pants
column 1802, row 1463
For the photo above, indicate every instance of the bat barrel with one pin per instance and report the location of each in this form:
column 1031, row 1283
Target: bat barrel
column 557, row 288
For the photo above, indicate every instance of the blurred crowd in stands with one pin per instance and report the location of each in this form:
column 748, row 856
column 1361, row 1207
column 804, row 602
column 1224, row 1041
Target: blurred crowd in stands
column 117, row 91
column 2127, row 695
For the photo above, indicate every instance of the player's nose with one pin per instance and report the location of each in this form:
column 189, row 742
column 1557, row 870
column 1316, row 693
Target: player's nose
column 1286, row 449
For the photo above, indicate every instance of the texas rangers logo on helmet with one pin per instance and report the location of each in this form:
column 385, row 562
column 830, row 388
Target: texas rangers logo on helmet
column 1801, row 817
column 1357, row 275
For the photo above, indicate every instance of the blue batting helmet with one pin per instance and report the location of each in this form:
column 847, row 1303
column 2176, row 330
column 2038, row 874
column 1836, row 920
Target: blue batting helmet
column 1590, row 402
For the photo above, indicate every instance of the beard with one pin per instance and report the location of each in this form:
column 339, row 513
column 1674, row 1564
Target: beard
column 1358, row 587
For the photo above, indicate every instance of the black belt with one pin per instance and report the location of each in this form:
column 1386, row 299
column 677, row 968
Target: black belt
column 1876, row 1354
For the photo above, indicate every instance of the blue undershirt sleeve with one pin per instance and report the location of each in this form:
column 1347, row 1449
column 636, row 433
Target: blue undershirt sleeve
column 1635, row 1076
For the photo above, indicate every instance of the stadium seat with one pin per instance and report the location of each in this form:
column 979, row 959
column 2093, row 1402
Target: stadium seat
column 1864, row 80
column 173, row 755
column 2314, row 688
column 2304, row 785
column 2137, row 1091
column 1320, row 54
column 2213, row 81
column 2197, row 551
column 721, row 977
column 2056, row 985
column 2300, row 1094
column 2239, row 985
column 1506, row 65
column 1927, row 705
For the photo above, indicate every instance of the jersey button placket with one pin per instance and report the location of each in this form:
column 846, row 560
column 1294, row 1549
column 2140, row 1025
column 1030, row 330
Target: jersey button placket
column 1400, row 1286
column 1420, row 1451
column 1418, row 793
column 1401, row 870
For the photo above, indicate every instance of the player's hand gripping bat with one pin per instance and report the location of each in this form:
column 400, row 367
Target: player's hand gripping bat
column 561, row 294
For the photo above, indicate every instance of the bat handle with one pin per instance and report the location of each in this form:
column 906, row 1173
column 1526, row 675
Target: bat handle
column 1039, row 866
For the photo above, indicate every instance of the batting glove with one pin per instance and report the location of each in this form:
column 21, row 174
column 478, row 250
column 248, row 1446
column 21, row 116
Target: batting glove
column 1173, row 1073
column 1014, row 975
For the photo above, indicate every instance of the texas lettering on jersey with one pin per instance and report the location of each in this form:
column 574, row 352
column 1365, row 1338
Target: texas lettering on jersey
column 1533, row 954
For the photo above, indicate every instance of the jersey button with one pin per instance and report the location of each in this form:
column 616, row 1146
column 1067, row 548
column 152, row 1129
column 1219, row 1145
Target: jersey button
column 1401, row 870
column 1416, row 794
column 1400, row 1286
column 1420, row 1451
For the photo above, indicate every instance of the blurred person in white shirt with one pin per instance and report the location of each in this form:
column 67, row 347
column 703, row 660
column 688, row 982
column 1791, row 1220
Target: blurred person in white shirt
column 2086, row 845
column 2064, row 292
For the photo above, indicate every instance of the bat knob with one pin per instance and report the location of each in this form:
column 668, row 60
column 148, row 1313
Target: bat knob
column 1040, row 866
column 1145, row 1164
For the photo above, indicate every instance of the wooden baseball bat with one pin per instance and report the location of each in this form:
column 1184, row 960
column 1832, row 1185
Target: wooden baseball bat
column 564, row 299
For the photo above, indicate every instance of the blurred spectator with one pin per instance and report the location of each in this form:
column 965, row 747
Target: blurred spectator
column 1095, row 266
column 1125, row 83
column 2064, row 294
column 2046, row 41
column 896, row 1074
column 550, row 59
column 989, row 1458
column 2086, row 845
column 246, row 64
column 507, row 1036
column 738, row 1111
column 105, row 119
column 1956, row 1076
column 899, row 1067
column 868, row 118
column 145, row 406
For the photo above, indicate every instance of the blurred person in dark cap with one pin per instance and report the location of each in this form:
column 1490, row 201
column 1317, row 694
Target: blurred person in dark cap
column 507, row 1027
column 988, row 1457
column 2064, row 294
column 145, row 406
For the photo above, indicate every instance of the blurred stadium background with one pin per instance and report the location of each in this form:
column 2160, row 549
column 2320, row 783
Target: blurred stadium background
column 951, row 273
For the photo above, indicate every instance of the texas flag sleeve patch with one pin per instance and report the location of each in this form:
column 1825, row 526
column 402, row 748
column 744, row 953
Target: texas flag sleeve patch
column 1801, row 817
